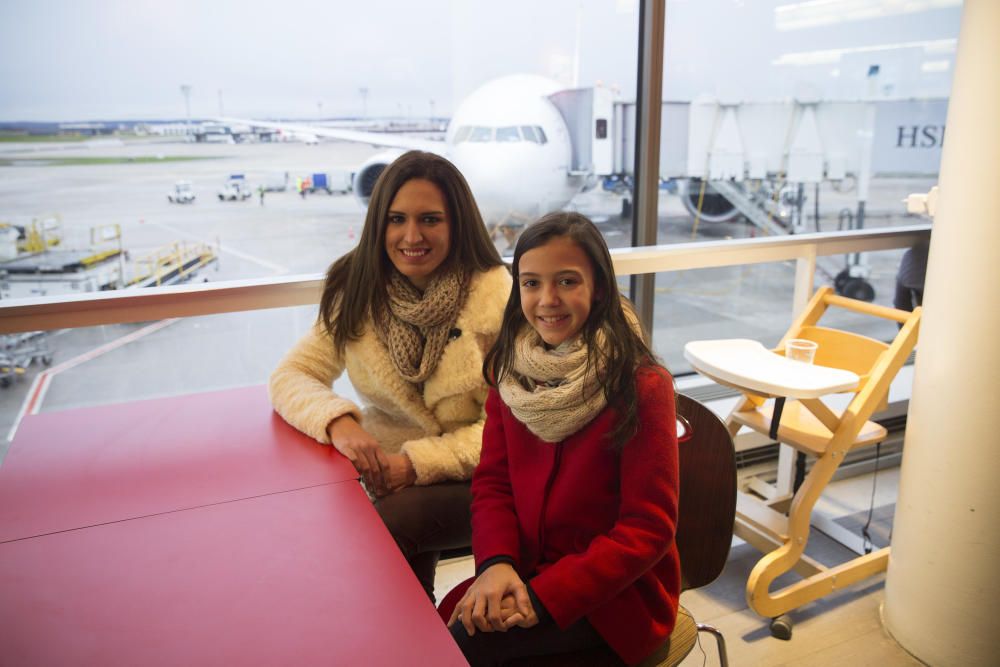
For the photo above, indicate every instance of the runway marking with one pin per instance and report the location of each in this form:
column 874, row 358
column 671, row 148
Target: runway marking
column 40, row 386
column 276, row 268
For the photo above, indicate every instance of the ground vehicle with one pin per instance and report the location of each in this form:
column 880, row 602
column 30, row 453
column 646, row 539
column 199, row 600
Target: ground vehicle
column 235, row 189
column 275, row 182
column 338, row 181
column 181, row 193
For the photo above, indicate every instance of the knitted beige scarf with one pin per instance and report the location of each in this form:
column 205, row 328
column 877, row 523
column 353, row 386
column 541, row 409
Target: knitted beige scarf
column 416, row 328
column 550, row 391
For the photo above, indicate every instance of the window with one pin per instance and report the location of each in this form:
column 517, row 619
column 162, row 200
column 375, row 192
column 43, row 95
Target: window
column 774, row 123
column 508, row 134
column 481, row 134
column 128, row 168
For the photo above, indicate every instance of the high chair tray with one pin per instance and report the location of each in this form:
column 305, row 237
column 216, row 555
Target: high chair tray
column 747, row 364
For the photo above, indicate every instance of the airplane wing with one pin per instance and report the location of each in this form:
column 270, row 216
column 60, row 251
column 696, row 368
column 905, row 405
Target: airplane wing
column 358, row 136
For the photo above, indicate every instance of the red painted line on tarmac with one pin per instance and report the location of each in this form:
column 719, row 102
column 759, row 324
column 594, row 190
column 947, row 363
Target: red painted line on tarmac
column 36, row 395
column 38, row 389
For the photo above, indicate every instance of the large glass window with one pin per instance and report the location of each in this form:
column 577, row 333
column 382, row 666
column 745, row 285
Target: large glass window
column 817, row 116
column 214, row 129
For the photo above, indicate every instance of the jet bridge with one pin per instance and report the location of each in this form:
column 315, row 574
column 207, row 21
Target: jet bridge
column 753, row 158
column 756, row 159
column 588, row 113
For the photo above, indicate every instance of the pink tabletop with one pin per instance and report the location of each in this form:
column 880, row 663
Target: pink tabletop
column 304, row 577
column 91, row 466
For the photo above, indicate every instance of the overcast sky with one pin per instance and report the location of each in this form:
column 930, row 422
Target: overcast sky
column 90, row 59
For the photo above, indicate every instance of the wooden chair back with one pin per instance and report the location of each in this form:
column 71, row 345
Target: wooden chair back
column 844, row 349
column 707, row 505
column 854, row 352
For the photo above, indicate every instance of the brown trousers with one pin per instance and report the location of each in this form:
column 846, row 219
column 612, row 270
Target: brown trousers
column 426, row 520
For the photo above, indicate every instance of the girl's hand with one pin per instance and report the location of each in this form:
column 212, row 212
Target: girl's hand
column 512, row 615
column 480, row 607
column 361, row 449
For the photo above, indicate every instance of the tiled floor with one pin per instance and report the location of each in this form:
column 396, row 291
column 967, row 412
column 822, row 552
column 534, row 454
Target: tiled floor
column 841, row 629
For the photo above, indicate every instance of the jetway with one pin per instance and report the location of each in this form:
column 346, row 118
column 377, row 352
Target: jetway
column 588, row 113
column 761, row 160
column 746, row 153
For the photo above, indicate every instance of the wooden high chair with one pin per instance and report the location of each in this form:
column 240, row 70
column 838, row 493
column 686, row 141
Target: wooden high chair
column 845, row 363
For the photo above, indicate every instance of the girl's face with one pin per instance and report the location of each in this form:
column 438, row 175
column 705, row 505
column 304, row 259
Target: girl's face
column 556, row 283
column 418, row 231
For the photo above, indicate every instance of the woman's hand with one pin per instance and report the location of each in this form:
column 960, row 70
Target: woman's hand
column 400, row 472
column 361, row 449
column 481, row 606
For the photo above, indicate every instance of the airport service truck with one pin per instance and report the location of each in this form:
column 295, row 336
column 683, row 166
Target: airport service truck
column 331, row 182
column 181, row 193
column 235, row 189
column 275, row 181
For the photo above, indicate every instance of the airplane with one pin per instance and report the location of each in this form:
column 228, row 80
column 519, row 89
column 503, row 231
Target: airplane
column 508, row 138
column 306, row 137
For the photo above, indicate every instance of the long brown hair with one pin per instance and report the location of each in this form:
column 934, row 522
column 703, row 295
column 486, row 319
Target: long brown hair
column 624, row 350
column 355, row 284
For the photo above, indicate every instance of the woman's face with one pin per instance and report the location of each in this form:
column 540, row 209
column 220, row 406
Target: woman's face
column 418, row 231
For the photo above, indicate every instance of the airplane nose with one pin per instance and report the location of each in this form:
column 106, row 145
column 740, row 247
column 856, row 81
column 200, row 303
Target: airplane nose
column 496, row 198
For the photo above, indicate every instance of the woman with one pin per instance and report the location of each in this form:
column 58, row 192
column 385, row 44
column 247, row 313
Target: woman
column 409, row 314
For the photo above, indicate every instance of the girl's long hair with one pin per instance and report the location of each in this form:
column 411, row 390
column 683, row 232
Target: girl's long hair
column 624, row 350
column 355, row 285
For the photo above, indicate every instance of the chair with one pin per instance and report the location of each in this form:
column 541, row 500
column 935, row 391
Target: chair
column 845, row 362
column 707, row 508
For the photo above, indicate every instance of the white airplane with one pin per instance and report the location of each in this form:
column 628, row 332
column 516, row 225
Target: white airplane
column 508, row 138
column 305, row 137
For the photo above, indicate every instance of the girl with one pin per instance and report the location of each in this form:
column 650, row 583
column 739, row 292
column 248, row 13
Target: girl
column 410, row 314
column 575, row 496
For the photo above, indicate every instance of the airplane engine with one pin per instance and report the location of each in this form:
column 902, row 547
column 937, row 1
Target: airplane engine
column 368, row 173
column 714, row 207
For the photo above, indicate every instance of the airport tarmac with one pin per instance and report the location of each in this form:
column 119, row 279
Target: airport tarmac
column 290, row 235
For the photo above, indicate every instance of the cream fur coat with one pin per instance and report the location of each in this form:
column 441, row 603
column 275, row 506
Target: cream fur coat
column 441, row 429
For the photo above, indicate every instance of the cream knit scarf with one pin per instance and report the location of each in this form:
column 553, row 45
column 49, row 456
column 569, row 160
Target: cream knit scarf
column 416, row 328
column 550, row 391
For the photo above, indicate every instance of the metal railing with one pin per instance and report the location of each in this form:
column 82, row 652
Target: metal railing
column 140, row 305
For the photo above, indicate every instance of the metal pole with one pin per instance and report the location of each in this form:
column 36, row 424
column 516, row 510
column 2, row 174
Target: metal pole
column 186, row 91
column 646, row 172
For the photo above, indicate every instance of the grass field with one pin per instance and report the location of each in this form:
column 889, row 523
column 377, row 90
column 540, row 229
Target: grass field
column 77, row 161
column 17, row 137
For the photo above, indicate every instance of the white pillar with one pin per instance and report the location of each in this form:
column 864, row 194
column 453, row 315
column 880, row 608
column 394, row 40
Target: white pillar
column 942, row 598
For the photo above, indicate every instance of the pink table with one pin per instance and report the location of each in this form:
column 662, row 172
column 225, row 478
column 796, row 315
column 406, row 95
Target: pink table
column 198, row 530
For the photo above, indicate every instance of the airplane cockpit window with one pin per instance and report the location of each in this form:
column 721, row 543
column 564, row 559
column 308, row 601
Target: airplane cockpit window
column 511, row 133
column 534, row 134
column 481, row 134
column 508, row 134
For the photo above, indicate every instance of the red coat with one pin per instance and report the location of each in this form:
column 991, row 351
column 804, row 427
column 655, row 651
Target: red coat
column 591, row 530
